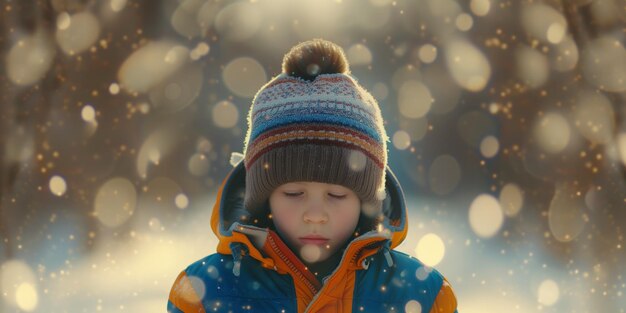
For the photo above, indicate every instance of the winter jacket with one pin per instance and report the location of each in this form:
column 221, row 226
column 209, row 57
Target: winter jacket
column 254, row 271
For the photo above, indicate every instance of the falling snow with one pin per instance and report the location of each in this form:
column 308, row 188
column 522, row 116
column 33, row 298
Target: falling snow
column 118, row 120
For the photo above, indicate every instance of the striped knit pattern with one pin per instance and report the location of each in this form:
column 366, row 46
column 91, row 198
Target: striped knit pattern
column 327, row 130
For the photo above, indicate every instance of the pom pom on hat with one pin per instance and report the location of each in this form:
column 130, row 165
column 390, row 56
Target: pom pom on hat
column 312, row 58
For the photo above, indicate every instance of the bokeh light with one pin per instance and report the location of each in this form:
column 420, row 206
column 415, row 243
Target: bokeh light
column 158, row 144
column 199, row 51
column 532, row 67
column 178, row 90
column 18, row 284
column 181, row 200
column 151, row 64
column 464, row 22
column 198, row 164
column 115, row 202
column 489, row 146
column 357, row 161
column 225, row 114
column 552, row 132
column 564, row 56
column 118, row 5
column 26, row 297
column 556, row 32
column 88, row 113
column 29, row 59
column 543, row 22
column 467, row 64
column 428, row 53
column 480, row 7
column 63, row 20
column 184, row 18
column 114, row 88
column 359, row 54
column 485, row 216
column 423, row 272
column 244, row 76
column 238, row 21
column 311, row 253
column 57, row 185
column 401, row 140
column 413, row 306
column 594, row 117
column 548, row 292
column 414, row 99
column 193, row 289
column 203, row 145
column 78, row 32
column 604, row 64
column 511, row 199
column 430, row 249
column 565, row 215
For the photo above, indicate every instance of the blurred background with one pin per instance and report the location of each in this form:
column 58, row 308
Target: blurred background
column 506, row 120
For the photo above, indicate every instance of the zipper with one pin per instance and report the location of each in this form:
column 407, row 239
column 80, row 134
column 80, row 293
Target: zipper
column 294, row 269
column 352, row 260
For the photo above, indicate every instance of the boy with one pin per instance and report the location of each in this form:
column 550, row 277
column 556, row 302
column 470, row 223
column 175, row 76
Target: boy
column 307, row 222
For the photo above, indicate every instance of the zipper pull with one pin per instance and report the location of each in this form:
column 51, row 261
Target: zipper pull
column 237, row 268
column 235, row 248
column 388, row 257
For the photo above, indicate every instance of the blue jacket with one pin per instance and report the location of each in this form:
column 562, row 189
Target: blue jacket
column 254, row 271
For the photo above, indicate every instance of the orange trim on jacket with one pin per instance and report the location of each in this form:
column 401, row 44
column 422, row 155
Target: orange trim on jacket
column 445, row 301
column 184, row 297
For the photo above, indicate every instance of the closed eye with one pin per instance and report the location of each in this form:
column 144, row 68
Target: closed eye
column 292, row 194
column 337, row 196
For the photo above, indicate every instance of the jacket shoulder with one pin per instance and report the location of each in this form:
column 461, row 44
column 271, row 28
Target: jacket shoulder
column 195, row 285
column 405, row 263
column 435, row 283
column 218, row 288
column 211, row 267
column 386, row 284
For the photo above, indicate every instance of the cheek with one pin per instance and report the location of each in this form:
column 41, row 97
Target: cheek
column 285, row 219
column 346, row 220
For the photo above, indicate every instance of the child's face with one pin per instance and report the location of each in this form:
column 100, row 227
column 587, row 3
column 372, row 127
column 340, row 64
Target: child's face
column 316, row 219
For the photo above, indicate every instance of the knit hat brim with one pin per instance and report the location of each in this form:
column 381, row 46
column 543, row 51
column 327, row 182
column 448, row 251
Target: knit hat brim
column 308, row 162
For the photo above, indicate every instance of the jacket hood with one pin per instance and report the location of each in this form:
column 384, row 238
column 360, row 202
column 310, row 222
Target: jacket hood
column 232, row 223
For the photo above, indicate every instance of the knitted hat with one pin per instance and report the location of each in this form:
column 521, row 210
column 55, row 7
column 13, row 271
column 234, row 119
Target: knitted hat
column 314, row 122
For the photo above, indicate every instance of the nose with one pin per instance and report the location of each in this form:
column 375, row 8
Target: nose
column 315, row 214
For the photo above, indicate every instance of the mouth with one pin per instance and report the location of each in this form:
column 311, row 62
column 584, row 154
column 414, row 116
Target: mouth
column 314, row 240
